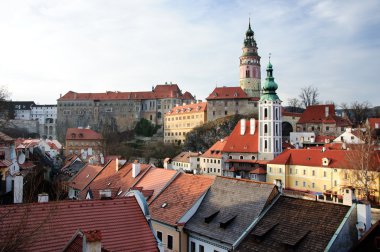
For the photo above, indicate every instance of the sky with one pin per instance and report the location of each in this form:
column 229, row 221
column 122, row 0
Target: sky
column 49, row 47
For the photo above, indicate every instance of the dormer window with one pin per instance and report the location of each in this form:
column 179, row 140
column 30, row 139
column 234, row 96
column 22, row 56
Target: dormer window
column 73, row 135
column 235, row 94
column 325, row 161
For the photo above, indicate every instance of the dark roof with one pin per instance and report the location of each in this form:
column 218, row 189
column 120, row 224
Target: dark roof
column 49, row 226
column 45, row 105
column 23, row 105
column 229, row 207
column 295, row 224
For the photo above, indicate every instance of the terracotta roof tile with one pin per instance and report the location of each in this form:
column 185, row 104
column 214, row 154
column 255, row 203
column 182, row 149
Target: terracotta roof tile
column 188, row 109
column 216, row 150
column 221, row 93
column 373, row 122
column 84, row 176
column 51, row 225
column 178, row 197
column 185, row 156
column 116, row 180
column 246, row 143
column 155, row 179
column 82, row 134
column 316, row 114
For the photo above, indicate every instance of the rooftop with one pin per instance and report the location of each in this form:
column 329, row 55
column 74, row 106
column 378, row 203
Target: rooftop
column 178, row 197
column 49, row 226
column 188, row 109
column 82, row 134
column 240, row 199
column 295, row 224
column 317, row 114
column 222, row 93
column 185, row 156
column 216, row 150
column 245, row 143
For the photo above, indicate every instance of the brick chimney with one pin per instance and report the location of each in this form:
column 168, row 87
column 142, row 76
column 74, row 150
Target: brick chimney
column 92, row 241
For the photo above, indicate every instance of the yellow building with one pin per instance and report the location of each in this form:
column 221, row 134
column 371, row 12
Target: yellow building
column 320, row 171
column 182, row 119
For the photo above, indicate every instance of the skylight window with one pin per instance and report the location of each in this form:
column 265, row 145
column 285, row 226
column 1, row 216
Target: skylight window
column 164, row 205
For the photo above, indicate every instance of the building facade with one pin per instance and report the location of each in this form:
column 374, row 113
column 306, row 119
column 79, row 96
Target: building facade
column 47, row 119
column 212, row 161
column 180, row 120
column 84, row 141
column 119, row 111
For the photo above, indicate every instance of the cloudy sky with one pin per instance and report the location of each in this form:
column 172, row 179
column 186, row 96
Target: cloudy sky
column 50, row 47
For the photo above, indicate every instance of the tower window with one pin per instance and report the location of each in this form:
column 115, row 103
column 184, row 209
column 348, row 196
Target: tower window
column 265, row 144
column 265, row 113
column 265, row 128
column 247, row 73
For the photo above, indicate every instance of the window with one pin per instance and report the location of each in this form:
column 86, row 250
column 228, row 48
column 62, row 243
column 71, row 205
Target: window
column 265, row 128
column 225, row 112
column 170, row 242
column 241, row 157
column 324, row 187
column 265, row 113
column 324, row 174
column 192, row 246
column 304, row 172
column 346, row 176
column 201, row 248
column 159, row 235
column 296, row 183
column 280, row 170
column 290, row 170
column 313, row 185
column 304, row 184
column 270, row 169
column 313, row 173
column 335, row 183
column 327, row 128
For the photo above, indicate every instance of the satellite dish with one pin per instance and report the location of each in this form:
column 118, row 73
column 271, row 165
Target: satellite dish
column 21, row 158
column 101, row 159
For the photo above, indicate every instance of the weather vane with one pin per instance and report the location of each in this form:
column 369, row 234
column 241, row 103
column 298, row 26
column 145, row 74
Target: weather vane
column 270, row 54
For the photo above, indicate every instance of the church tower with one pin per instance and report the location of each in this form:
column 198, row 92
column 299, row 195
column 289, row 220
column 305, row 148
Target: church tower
column 250, row 76
column 270, row 119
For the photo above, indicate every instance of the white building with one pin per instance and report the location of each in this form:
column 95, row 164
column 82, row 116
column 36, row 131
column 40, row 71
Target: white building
column 23, row 109
column 47, row 118
column 349, row 137
column 187, row 161
column 299, row 138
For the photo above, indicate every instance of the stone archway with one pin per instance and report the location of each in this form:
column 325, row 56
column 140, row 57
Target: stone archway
column 286, row 129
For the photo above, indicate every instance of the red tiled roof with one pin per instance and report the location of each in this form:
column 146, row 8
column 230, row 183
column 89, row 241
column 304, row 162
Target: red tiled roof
column 249, row 161
column 155, row 179
column 5, row 163
column 185, row 156
column 49, row 226
column 84, row 176
column 159, row 92
column 373, row 122
column 259, row 170
column 178, row 197
column 115, row 180
column 216, row 150
column 221, row 93
column 322, row 139
column 82, row 134
column 313, row 157
column 5, row 138
column 188, row 109
column 246, row 143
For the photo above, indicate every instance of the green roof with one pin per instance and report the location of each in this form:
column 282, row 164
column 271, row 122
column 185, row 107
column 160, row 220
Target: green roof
column 270, row 86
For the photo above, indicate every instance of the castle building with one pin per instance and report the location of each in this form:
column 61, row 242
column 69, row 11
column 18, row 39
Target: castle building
column 182, row 119
column 118, row 111
column 270, row 119
column 227, row 101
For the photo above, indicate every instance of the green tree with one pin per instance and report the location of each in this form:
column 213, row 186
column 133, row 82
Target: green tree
column 145, row 128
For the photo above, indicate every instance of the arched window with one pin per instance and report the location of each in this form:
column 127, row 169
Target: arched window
column 265, row 144
column 265, row 128
column 265, row 113
column 247, row 73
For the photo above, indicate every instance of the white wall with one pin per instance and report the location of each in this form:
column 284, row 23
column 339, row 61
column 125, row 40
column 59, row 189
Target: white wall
column 207, row 247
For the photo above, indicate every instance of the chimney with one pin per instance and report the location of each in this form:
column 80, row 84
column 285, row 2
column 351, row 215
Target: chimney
column 92, row 241
column 135, row 169
column 348, row 130
column 105, row 194
column 364, row 218
column 327, row 111
column 242, row 127
column 43, row 197
column 60, row 95
column 348, row 196
column 252, row 126
column 18, row 188
column 117, row 164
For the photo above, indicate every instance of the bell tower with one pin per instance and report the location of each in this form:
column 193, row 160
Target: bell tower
column 250, row 75
column 270, row 119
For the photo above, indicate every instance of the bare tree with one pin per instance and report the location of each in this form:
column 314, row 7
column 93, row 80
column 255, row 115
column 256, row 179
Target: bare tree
column 357, row 112
column 309, row 96
column 363, row 161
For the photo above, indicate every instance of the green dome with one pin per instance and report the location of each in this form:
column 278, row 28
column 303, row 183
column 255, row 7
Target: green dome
column 249, row 32
column 270, row 86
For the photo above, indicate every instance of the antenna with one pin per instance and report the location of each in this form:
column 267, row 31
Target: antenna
column 270, row 55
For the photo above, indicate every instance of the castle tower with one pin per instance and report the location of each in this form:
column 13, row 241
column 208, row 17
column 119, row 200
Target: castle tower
column 270, row 121
column 250, row 76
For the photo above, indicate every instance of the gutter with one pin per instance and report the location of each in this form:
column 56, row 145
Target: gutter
column 248, row 230
column 337, row 232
